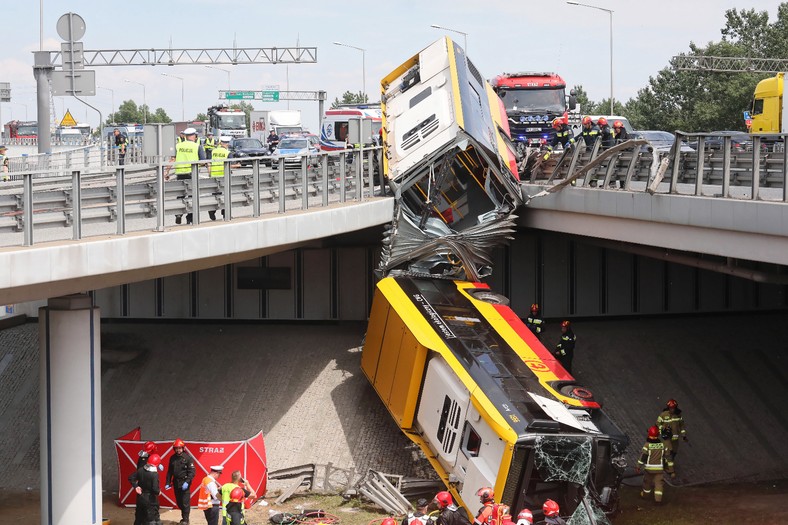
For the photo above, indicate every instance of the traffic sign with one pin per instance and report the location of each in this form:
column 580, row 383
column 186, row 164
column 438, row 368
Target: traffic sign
column 269, row 96
column 68, row 120
column 239, row 95
column 81, row 82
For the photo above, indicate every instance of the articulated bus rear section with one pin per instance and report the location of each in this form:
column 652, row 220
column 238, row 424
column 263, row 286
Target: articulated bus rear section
column 486, row 402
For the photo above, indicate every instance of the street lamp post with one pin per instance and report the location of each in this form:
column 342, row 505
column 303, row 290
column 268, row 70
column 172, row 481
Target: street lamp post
column 144, row 100
column 112, row 94
column 609, row 12
column 363, row 65
column 183, row 111
column 464, row 35
column 226, row 71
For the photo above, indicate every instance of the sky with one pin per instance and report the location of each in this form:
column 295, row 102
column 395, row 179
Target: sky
column 502, row 36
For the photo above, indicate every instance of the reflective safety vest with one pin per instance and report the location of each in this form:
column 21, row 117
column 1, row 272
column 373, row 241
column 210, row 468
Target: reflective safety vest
column 227, row 488
column 673, row 421
column 534, row 324
column 210, row 143
column 219, row 154
column 205, row 500
column 653, row 457
column 186, row 151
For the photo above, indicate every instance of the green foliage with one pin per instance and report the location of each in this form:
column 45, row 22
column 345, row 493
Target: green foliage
column 350, row 98
column 130, row 113
column 201, row 116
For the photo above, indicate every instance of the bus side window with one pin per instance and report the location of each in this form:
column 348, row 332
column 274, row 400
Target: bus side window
column 340, row 131
column 471, row 441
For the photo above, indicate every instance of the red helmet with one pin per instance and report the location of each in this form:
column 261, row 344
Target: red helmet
column 672, row 403
column 602, row 121
column 565, row 324
column 586, row 120
column 485, row 494
column 525, row 517
column 178, row 443
column 443, row 498
column 653, row 432
column 154, row 460
column 558, row 122
column 150, row 447
column 618, row 124
column 389, row 521
column 237, row 495
column 534, row 307
column 550, row 508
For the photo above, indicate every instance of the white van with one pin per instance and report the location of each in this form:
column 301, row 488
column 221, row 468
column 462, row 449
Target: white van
column 333, row 130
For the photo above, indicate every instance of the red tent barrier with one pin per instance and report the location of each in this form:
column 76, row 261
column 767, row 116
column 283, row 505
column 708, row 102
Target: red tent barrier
column 247, row 456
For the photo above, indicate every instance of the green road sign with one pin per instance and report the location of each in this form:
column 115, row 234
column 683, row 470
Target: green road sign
column 270, row 96
column 240, row 95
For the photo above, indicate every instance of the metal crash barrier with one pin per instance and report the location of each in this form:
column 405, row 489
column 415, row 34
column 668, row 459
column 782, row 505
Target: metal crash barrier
column 40, row 205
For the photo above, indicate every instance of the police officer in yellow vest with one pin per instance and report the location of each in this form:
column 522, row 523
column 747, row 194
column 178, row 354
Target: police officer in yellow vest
column 220, row 154
column 186, row 153
column 4, row 163
column 209, row 145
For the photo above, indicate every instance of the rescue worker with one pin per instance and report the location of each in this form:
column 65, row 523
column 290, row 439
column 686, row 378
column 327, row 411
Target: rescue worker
column 671, row 418
column 220, row 154
column 4, row 162
column 180, row 474
column 502, row 515
column 146, row 485
column 534, row 322
column 236, row 482
column 606, row 133
column 620, row 132
column 234, row 509
column 272, row 141
column 209, row 144
column 551, row 511
column 450, row 514
column 186, row 152
column 565, row 349
column 525, row 517
column 563, row 135
column 485, row 514
column 121, row 142
column 210, row 498
column 420, row 516
column 140, row 516
column 654, row 459
column 590, row 132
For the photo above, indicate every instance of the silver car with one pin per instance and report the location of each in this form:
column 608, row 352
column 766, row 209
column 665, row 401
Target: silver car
column 291, row 149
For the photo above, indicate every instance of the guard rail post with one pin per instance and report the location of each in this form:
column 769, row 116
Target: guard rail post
column 324, row 180
column 371, row 172
column 359, row 156
column 701, row 167
column 674, row 176
column 342, row 175
column 27, row 212
column 160, row 192
column 86, row 153
column 726, row 166
column 756, row 167
column 304, row 183
column 68, row 160
column 785, row 168
column 120, row 195
column 76, row 205
column 227, row 191
column 256, row 187
column 195, row 193
column 281, row 185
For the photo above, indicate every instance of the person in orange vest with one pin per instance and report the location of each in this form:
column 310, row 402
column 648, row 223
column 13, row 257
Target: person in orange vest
column 210, row 499
column 485, row 514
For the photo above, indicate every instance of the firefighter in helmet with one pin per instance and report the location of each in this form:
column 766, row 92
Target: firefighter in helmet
column 565, row 349
column 590, row 131
column 534, row 321
column 525, row 517
column 671, row 425
column 487, row 499
column 654, row 460
column 450, row 514
column 606, row 133
column 551, row 512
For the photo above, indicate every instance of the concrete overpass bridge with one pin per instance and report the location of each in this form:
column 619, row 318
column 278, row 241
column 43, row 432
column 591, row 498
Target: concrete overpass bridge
column 300, row 244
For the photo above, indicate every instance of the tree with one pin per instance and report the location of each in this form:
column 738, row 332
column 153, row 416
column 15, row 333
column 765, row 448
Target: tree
column 201, row 117
column 129, row 113
column 350, row 98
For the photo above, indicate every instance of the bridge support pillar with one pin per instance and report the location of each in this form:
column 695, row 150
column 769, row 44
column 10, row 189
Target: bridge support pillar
column 70, row 411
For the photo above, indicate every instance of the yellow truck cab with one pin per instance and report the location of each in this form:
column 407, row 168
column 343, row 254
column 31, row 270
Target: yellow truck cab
column 768, row 112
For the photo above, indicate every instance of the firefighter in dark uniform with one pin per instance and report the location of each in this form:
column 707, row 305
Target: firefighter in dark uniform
column 620, row 132
column 180, row 474
column 145, row 482
column 590, row 132
column 450, row 514
column 565, row 349
column 671, row 424
column 606, row 133
column 145, row 452
column 420, row 517
column 534, row 322
column 563, row 136
column 551, row 512
column 655, row 460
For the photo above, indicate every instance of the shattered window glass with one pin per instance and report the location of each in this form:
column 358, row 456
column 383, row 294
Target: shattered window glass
column 563, row 458
column 581, row 517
